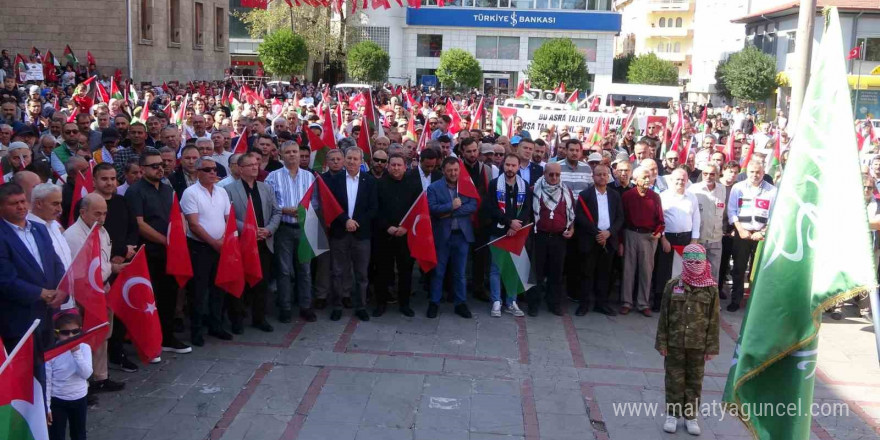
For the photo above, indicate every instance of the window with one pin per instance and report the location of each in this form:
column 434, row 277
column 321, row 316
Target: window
column 659, row 47
column 586, row 46
column 676, row 48
column 498, row 48
column 174, row 22
column 219, row 28
column 662, row 21
column 198, row 25
column 429, row 45
column 146, row 16
column 376, row 34
column 792, row 40
column 487, row 3
column 872, row 48
column 678, row 22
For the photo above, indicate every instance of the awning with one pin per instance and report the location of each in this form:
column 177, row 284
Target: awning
column 864, row 82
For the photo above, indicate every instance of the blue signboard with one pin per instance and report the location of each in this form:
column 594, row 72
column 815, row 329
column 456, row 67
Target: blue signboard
column 429, row 80
column 514, row 19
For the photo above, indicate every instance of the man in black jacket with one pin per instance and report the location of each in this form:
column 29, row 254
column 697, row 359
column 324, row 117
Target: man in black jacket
column 185, row 175
column 508, row 208
column 598, row 218
column 350, row 232
column 395, row 197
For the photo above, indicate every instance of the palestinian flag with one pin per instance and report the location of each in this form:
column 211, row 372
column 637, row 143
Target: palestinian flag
column 318, row 151
column 777, row 154
column 19, row 69
column 22, row 405
column 512, row 259
column 114, row 89
column 71, row 58
column 677, row 260
column 503, row 119
column 313, row 238
column 49, row 63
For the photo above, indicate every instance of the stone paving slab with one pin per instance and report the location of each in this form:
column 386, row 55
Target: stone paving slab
column 544, row 378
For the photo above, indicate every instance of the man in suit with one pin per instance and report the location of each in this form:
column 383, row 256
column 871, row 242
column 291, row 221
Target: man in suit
column 268, row 216
column 350, row 232
column 528, row 170
column 426, row 173
column 29, row 272
column 598, row 220
column 453, row 231
column 185, row 175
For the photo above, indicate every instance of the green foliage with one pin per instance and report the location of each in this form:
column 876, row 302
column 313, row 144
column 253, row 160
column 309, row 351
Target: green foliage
column 283, row 53
column 720, row 87
column 459, row 69
column 558, row 60
column 621, row 67
column 366, row 61
column 323, row 36
column 649, row 69
column 748, row 75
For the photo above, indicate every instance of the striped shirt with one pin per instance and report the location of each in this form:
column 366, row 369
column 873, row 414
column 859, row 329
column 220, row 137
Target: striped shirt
column 289, row 191
column 577, row 178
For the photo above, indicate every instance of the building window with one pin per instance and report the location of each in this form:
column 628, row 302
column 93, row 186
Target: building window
column 678, row 22
column 376, row 34
column 429, row 45
column 487, row 3
column 174, row 30
column 662, row 21
column 871, row 51
column 219, row 28
column 586, row 46
column 578, row 5
column 792, row 40
column 676, row 48
column 198, row 25
column 146, row 19
column 498, row 48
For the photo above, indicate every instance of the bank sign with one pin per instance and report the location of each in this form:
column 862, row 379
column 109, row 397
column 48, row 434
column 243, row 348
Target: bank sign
column 513, row 19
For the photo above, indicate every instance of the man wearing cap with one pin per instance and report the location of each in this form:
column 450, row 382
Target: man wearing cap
column 487, row 156
column 19, row 157
column 110, row 141
column 594, row 159
column 498, row 160
column 26, row 134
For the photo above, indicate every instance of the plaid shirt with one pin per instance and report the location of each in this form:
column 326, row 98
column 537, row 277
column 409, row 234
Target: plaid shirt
column 123, row 155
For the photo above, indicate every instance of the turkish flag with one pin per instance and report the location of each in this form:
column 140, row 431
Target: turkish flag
column 455, row 125
column 466, row 184
column 131, row 299
column 242, row 145
column 93, row 337
column 83, row 280
column 420, row 233
column 363, row 140
column 250, row 253
column 83, row 184
column 855, row 53
column 230, row 271
column 520, row 90
column 177, row 261
column 327, row 133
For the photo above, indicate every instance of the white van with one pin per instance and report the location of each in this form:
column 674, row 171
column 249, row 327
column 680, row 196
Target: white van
column 638, row 95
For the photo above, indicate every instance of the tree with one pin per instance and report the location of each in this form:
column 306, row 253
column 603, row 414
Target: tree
column 648, row 69
column 283, row 53
column 558, row 60
column 621, row 67
column 720, row 87
column 458, row 69
column 749, row 75
column 366, row 61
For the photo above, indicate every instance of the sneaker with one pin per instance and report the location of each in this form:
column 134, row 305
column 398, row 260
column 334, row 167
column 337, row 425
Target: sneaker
column 514, row 310
column 693, row 427
column 156, row 360
column 176, row 346
column 671, row 424
column 124, row 364
column 496, row 309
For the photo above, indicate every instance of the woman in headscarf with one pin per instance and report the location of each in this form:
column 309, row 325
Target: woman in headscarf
column 687, row 336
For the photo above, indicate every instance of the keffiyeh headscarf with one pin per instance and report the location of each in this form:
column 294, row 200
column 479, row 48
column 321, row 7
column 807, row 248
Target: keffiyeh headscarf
column 551, row 195
column 695, row 269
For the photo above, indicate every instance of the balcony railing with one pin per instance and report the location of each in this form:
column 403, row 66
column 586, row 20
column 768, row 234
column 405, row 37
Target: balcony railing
column 669, row 5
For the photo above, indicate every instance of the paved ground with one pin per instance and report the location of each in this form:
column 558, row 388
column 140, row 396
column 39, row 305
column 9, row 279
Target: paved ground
column 392, row 378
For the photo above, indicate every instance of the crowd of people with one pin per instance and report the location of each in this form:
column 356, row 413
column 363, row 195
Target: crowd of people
column 609, row 218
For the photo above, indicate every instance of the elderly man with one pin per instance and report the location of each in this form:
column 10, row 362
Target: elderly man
column 93, row 212
column 234, row 173
column 27, row 180
column 45, row 210
column 19, row 158
column 289, row 185
column 553, row 211
column 681, row 215
column 206, row 209
column 644, row 224
column 748, row 210
column 713, row 202
column 658, row 183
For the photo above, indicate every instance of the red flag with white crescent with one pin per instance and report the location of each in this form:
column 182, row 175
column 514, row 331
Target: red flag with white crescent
column 177, row 261
column 85, row 282
column 420, row 234
column 132, row 300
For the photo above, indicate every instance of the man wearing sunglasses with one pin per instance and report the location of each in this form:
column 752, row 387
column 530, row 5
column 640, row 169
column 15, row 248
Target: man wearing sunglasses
column 652, row 135
column 63, row 152
column 379, row 164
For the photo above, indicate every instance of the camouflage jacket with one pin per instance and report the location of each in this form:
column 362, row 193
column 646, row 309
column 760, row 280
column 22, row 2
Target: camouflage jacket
column 688, row 319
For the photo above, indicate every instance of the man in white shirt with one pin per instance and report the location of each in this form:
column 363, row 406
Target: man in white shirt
column 681, row 214
column 206, row 209
column 45, row 210
column 712, row 201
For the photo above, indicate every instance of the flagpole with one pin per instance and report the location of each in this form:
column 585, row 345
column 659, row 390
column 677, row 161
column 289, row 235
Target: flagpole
column 859, row 77
column 411, row 208
column 503, row 236
column 21, row 342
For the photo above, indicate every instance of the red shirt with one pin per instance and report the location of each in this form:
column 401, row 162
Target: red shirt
column 643, row 212
column 556, row 225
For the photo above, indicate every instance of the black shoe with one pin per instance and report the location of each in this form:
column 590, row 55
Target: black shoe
column 533, row 310
column 220, row 334
column 198, row 341
column 721, row 294
column 264, row 326
column 336, row 315
column 178, row 325
column 379, row 311
column 463, row 311
column 319, row 304
column 556, row 310
column 406, row 311
column 237, row 328
column 122, row 363
column 308, row 315
column 573, row 299
column 655, row 308
column 732, row 307
column 432, row 310
column 582, row 310
column 362, row 314
column 285, row 317
column 605, row 310
column 91, row 399
column 346, row 302
column 106, row 386
column 175, row 346
column 481, row 295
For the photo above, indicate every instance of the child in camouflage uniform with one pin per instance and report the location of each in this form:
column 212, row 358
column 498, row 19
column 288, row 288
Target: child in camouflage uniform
column 687, row 336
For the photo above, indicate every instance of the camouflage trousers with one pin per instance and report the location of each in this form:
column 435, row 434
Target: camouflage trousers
column 684, row 381
column 862, row 301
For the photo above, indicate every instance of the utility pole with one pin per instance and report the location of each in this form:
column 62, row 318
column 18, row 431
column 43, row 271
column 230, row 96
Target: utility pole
column 802, row 55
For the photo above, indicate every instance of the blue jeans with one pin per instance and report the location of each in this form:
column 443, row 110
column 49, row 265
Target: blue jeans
column 292, row 275
column 453, row 255
column 494, row 278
